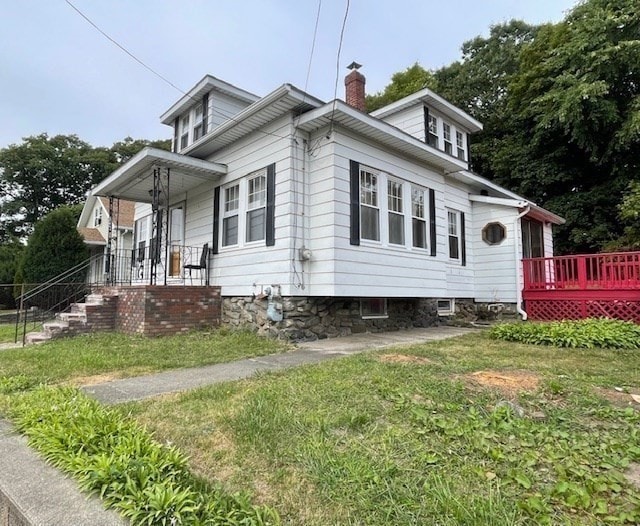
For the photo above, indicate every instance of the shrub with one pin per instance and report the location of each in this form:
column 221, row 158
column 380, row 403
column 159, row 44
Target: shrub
column 146, row 482
column 588, row 333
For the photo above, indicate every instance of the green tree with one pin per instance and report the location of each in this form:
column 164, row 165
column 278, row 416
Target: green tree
column 128, row 147
column 44, row 173
column 403, row 83
column 10, row 254
column 54, row 246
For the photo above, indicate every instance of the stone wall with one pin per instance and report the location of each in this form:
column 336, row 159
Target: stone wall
column 311, row 318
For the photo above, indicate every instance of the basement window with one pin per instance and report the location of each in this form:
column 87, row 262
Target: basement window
column 446, row 307
column 371, row 308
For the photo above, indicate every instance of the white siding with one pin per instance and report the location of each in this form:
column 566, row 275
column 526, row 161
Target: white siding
column 222, row 108
column 459, row 277
column 495, row 265
column 409, row 120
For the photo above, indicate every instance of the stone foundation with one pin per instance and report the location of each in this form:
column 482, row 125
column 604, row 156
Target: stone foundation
column 311, row 318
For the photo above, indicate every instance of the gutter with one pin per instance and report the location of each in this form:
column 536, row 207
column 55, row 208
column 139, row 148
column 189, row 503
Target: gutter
column 518, row 253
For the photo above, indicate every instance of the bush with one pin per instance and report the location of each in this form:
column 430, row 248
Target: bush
column 589, row 333
column 146, row 482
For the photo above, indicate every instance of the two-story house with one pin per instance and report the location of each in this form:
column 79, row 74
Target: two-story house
column 318, row 219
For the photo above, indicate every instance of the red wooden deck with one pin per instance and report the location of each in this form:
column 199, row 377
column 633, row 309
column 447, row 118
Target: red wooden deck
column 583, row 286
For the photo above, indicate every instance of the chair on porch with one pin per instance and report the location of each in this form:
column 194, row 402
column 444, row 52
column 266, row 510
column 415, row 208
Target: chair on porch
column 202, row 266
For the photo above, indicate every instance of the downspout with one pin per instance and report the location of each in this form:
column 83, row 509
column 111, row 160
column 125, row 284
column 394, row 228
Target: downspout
column 518, row 254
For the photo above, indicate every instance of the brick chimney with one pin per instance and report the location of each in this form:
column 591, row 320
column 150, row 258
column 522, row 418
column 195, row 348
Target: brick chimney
column 354, row 87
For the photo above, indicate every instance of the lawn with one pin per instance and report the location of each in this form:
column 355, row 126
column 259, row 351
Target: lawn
column 467, row 431
column 7, row 332
column 99, row 357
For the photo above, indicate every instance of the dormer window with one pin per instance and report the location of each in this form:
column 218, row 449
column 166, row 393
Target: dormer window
column 460, row 145
column 432, row 136
column 198, row 130
column 446, row 134
column 184, row 131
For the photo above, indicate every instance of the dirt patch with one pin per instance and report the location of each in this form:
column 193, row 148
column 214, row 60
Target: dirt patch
column 507, row 382
column 94, row 379
column 633, row 474
column 620, row 398
column 404, row 358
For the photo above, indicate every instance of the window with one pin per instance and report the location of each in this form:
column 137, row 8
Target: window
column 396, row 216
column 446, row 307
column 418, row 218
column 176, row 239
column 446, row 134
column 369, row 208
column 373, row 308
column 184, row 133
column 140, row 235
column 454, row 234
column 256, row 207
column 198, row 130
column 532, row 244
column 97, row 216
column 460, row 145
column 432, row 136
column 494, row 233
column 230, row 216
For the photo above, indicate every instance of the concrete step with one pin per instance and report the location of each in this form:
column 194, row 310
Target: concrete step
column 55, row 328
column 37, row 337
column 93, row 299
column 72, row 316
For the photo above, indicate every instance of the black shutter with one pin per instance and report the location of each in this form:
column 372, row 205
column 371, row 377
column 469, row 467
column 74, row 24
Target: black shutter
column 271, row 205
column 426, row 124
column 205, row 113
column 432, row 221
column 216, row 220
column 470, row 167
column 354, row 168
column 176, row 133
column 463, row 240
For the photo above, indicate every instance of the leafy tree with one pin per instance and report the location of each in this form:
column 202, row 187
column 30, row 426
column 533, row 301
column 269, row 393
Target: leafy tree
column 128, row 147
column 403, row 83
column 44, row 173
column 10, row 254
column 54, row 246
column 630, row 216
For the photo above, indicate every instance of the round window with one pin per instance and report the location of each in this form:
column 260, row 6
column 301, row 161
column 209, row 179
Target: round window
column 494, row 233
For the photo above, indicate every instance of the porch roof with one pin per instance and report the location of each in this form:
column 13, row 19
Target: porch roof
column 134, row 179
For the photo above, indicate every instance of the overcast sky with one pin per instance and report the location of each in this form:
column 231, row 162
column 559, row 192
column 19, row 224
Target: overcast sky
column 58, row 74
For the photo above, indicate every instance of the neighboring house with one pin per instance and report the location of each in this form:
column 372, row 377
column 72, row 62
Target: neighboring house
column 105, row 237
column 322, row 219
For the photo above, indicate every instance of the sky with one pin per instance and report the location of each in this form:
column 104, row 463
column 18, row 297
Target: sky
column 59, row 75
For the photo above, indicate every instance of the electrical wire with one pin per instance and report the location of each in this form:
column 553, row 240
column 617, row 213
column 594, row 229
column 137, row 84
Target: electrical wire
column 149, row 68
column 335, row 91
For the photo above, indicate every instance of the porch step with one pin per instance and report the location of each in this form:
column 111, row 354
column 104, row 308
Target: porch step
column 70, row 317
column 94, row 299
column 37, row 337
column 55, row 328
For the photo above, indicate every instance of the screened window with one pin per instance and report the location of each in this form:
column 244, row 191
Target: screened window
column 454, row 234
column 184, row 131
column 396, row 215
column 432, row 139
column 256, row 207
column 446, row 135
column 230, row 216
column 369, row 207
column 460, row 145
column 418, row 218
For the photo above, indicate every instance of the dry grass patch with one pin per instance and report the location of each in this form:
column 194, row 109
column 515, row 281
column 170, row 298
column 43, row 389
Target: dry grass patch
column 509, row 383
column 620, row 398
column 404, row 358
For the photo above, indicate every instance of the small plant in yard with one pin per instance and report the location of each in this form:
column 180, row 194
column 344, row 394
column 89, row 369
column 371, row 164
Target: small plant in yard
column 112, row 456
column 588, row 333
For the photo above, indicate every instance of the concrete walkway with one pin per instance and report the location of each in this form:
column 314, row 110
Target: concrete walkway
column 139, row 388
column 33, row 493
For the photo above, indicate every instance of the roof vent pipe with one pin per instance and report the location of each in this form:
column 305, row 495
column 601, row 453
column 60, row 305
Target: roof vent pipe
column 354, row 87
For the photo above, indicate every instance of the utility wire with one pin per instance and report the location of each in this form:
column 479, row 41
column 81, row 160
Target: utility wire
column 313, row 45
column 149, row 68
column 335, row 91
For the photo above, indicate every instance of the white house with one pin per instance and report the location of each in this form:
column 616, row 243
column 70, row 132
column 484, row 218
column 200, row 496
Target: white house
column 321, row 219
column 107, row 229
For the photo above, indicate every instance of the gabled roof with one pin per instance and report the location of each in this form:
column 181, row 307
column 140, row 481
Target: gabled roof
column 123, row 212
column 426, row 96
column 207, row 84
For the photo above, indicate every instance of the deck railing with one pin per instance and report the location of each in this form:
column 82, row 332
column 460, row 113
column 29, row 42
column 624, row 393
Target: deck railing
column 619, row 270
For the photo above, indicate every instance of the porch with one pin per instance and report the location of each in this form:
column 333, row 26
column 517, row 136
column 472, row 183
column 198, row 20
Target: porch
column 583, row 286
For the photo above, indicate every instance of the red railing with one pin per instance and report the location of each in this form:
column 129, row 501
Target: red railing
column 582, row 286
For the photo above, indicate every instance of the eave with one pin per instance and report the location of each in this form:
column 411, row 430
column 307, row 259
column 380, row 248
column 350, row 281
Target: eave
column 362, row 123
column 134, row 179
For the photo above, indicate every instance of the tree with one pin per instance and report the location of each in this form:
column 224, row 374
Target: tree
column 630, row 216
column 403, row 83
column 128, row 147
column 54, row 247
column 10, row 254
column 44, row 173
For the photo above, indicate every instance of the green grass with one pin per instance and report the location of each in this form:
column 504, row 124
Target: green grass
column 367, row 441
column 7, row 333
column 111, row 355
